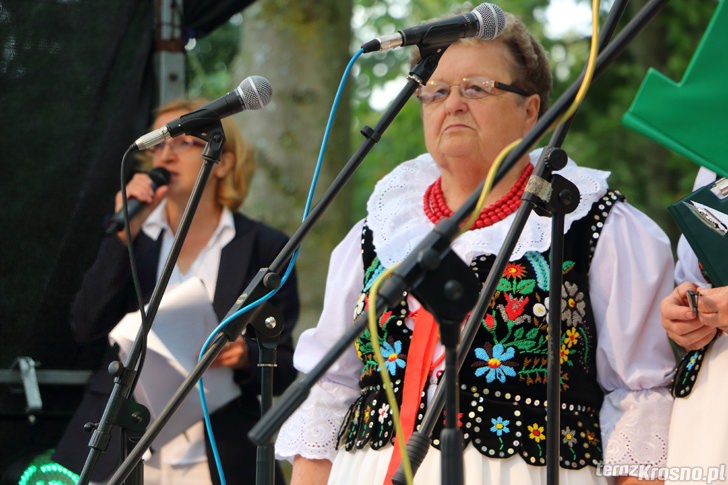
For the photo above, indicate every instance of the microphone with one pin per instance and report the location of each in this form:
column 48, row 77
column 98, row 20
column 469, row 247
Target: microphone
column 159, row 176
column 254, row 92
column 486, row 21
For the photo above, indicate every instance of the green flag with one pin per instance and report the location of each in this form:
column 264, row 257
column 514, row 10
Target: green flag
column 690, row 117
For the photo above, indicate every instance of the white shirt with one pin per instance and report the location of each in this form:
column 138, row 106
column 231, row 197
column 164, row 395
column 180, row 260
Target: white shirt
column 207, row 263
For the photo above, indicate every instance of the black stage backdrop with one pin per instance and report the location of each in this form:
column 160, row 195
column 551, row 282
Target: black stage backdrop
column 77, row 87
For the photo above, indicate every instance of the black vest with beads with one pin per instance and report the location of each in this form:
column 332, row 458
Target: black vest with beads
column 503, row 379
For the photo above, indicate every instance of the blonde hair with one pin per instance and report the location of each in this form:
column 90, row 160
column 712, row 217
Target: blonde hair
column 233, row 188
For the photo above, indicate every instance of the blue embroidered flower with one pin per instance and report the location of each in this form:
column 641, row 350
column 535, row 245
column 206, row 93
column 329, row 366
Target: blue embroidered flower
column 692, row 361
column 371, row 277
column 500, row 425
column 496, row 364
column 391, row 354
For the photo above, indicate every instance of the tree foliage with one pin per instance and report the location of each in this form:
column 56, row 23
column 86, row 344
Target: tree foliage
column 209, row 58
column 648, row 174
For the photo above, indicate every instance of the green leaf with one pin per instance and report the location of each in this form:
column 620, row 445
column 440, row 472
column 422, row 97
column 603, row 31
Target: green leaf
column 503, row 285
column 526, row 287
column 523, row 345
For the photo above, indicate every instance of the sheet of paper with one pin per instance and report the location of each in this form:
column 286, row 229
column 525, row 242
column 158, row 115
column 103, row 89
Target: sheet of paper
column 184, row 321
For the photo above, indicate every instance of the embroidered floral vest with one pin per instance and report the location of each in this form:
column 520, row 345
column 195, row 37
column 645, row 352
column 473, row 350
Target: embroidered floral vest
column 503, row 379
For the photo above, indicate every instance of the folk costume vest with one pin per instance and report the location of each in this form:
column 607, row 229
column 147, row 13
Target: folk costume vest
column 503, row 380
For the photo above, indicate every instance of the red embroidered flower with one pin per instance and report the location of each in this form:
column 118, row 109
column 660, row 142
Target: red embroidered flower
column 384, row 318
column 513, row 270
column 489, row 321
column 514, row 306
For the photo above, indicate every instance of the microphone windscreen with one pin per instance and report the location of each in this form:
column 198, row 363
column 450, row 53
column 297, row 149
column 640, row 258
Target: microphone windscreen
column 492, row 20
column 255, row 92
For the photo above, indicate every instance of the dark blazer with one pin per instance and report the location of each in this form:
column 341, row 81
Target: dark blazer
column 107, row 294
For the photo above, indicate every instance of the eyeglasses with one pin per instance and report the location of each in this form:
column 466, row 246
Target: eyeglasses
column 469, row 87
column 176, row 145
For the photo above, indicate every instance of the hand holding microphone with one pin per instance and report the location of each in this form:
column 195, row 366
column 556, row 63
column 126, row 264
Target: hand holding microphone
column 144, row 192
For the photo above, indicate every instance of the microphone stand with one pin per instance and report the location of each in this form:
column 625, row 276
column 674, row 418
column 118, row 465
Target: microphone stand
column 448, row 292
column 120, row 409
column 443, row 232
column 267, row 333
column 268, row 278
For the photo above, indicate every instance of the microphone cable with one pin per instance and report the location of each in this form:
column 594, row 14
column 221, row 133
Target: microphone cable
column 289, row 269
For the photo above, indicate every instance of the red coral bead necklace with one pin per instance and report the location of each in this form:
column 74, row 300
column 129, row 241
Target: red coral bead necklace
column 436, row 208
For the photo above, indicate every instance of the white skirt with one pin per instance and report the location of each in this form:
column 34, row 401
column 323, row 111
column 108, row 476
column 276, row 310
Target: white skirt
column 698, row 444
column 369, row 467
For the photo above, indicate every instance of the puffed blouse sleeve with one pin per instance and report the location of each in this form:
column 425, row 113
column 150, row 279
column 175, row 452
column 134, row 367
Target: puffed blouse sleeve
column 311, row 431
column 631, row 272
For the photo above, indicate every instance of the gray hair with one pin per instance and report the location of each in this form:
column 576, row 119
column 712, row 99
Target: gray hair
column 531, row 70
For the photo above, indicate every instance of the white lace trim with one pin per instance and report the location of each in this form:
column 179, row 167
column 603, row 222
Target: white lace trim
column 311, row 431
column 635, row 427
column 399, row 223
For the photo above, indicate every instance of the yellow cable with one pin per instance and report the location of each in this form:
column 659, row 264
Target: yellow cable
column 386, row 381
column 590, row 65
column 580, row 95
column 488, row 185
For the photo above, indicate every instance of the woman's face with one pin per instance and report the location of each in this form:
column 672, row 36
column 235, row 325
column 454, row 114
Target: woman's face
column 468, row 134
column 182, row 156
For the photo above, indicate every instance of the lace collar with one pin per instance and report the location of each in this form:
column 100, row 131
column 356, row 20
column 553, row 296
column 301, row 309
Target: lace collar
column 398, row 222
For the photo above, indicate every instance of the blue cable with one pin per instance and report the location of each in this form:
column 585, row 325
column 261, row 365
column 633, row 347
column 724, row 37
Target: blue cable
column 225, row 322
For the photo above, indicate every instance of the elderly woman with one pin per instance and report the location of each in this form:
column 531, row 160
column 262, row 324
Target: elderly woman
column 224, row 249
column 615, row 358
